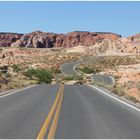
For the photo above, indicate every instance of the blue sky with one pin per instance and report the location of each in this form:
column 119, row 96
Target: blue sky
column 62, row 17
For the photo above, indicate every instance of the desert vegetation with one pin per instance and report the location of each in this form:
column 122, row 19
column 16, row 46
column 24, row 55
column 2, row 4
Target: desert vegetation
column 124, row 69
column 73, row 77
column 88, row 70
column 42, row 75
column 21, row 67
column 121, row 91
column 104, row 62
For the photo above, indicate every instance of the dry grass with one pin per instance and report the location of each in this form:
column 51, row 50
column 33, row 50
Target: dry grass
column 121, row 90
column 104, row 62
column 130, row 86
column 19, row 60
column 17, row 82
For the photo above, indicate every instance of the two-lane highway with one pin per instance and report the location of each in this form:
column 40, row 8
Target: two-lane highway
column 67, row 111
column 87, row 113
column 23, row 113
column 77, row 112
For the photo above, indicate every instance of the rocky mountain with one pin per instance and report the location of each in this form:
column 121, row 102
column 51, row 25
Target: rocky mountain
column 120, row 46
column 100, row 42
column 116, row 47
column 40, row 39
column 6, row 39
column 134, row 38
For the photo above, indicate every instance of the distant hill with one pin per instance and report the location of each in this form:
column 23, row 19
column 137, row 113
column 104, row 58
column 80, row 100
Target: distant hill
column 38, row 39
column 100, row 42
column 6, row 39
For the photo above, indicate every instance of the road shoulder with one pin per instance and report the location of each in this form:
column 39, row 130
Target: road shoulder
column 10, row 92
column 117, row 98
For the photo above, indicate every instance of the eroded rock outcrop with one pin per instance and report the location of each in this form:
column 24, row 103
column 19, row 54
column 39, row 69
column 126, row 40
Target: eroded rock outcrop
column 135, row 42
column 98, row 42
column 119, row 46
column 135, row 38
column 40, row 39
column 6, row 39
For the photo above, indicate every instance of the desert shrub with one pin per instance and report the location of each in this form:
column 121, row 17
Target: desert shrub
column 132, row 98
column 44, row 75
column 73, row 77
column 89, row 70
column 16, row 67
column 41, row 74
column 78, row 77
column 68, row 78
column 119, row 90
column 30, row 73
column 55, row 70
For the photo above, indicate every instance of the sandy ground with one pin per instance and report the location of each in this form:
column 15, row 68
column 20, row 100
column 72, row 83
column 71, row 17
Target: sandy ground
column 129, row 76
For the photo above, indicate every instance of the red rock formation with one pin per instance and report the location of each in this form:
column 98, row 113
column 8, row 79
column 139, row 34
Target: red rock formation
column 6, row 39
column 39, row 39
column 135, row 42
column 135, row 38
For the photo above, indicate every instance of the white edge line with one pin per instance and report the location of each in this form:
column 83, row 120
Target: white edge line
column 131, row 106
column 74, row 67
column 77, row 65
column 63, row 66
column 113, row 80
column 16, row 91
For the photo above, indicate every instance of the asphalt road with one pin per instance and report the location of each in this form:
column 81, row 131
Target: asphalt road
column 87, row 113
column 84, row 113
column 23, row 113
column 104, row 79
column 68, row 68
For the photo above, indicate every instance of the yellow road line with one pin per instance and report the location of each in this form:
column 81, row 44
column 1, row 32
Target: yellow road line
column 56, row 117
column 45, row 126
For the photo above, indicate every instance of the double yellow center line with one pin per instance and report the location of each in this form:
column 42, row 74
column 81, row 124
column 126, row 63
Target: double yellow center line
column 54, row 113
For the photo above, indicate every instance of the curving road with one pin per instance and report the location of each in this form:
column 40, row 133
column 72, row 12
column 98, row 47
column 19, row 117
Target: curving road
column 67, row 112
column 69, row 69
column 104, row 79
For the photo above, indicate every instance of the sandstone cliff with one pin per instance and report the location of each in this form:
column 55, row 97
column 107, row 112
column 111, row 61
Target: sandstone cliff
column 97, row 42
column 6, row 39
column 40, row 39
